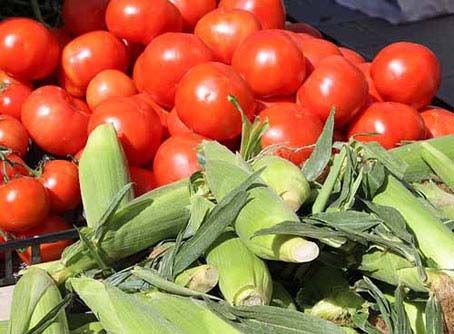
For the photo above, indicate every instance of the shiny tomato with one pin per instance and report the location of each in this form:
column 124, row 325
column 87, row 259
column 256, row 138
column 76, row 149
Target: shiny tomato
column 304, row 28
column 270, row 13
column 175, row 125
column 262, row 104
column 271, row 63
column 224, row 30
column 140, row 21
column 48, row 251
column 352, row 55
column 13, row 135
column 438, row 121
column 137, row 124
column 193, row 10
column 24, row 203
column 407, row 73
column 134, row 50
column 165, row 61
column 286, row 121
column 373, row 94
column 334, row 83
column 56, row 121
column 14, row 167
column 82, row 16
column 391, row 122
column 202, row 103
column 176, row 158
column 89, row 54
column 28, row 50
column 62, row 35
column 315, row 50
column 107, row 84
column 160, row 111
column 143, row 179
column 12, row 96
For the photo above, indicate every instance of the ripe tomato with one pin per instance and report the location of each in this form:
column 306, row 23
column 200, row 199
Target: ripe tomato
column 193, row 10
column 224, row 30
column 270, row 13
column 12, row 96
column 13, row 135
column 28, row 50
column 262, row 104
column 82, row 16
column 165, row 61
column 48, row 251
column 202, row 104
column 15, row 167
column 107, row 84
column 438, row 121
column 56, row 121
column 271, row 63
column 373, row 94
column 315, row 50
column 62, row 35
column 352, row 56
column 87, row 55
column 137, row 124
column 161, row 112
column 286, row 121
column 143, row 179
column 391, row 121
column 61, row 179
column 303, row 28
column 176, row 158
column 23, row 204
column 334, row 83
column 407, row 73
column 140, row 21
column 175, row 125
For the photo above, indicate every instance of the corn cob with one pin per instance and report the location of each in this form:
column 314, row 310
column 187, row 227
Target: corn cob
column 201, row 278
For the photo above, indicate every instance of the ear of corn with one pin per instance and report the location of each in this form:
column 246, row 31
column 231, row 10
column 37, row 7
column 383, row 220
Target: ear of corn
column 201, row 278
column 3, row 327
column 441, row 164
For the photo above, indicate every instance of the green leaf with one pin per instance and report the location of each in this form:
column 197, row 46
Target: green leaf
column 200, row 207
column 373, row 178
column 355, row 220
column 434, row 316
column 402, row 323
column 302, row 230
column 439, row 162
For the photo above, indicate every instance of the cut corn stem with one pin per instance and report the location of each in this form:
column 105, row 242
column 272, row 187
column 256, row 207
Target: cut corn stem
column 441, row 164
column 201, row 278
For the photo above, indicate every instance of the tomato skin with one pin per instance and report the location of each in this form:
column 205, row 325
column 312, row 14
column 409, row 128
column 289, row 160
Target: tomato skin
column 23, row 204
column 176, row 158
column 438, row 122
column 373, row 94
column 270, row 54
column 270, row 13
column 394, row 122
column 175, row 125
column 335, row 82
column 140, row 21
column 82, row 16
column 315, row 50
column 407, row 73
column 107, row 84
column 13, row 135
column 12, row 172
column 62, row 35
column 87, row 55
column 143, row 179
column 224, row 30
column 202, row 104
column 193, row 10
column 351, row 55
column 56, row 121
column 164, row 63
column 304, row 28
column 160, row 111
column 262, row 104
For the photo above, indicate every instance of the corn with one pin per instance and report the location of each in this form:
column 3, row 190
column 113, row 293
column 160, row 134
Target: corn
column 441, row 164
column 90, row 328
column 3, row 327
column 201, row 278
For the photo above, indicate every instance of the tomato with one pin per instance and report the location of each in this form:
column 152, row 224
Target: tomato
column 373, row 94
column 270, row 13
column 63, row 36
column 15, row 167
column 304, row 28
column 48, row 251
column 262, row 104
column 143, row 179
column 140, row 21
column 202, row 104
column 392, row 122
column 56, row 121
column 78, row 154
column 165, row 61
column 107, row 84
column 176, row 158
column 23, row 204
column 28, row 50
column 89, row 54
column 175, row 125
column 13, row 135
column 61, row 179
column 193, row 10
column 161, row 112
column 315, row 50
column 438, row 122
column 271, row 63
column 82, row 16
column 134, row 50
column 334, row 83
column 224, row 30
column 352, row 56
column 407, row 73
column 137, row 124
column 12, row 96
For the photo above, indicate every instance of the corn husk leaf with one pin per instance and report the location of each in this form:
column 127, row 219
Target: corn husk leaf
column 201, row 278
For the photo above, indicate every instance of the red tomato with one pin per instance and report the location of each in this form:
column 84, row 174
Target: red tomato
column 438, row 121
column 82, row 16
column 407, row 73
column 391, row 121
column 262, row 104
column 271, row 63
column 63, row 36
column 165, row 61
column 373, row 94
column 61, row 179
column 140, row 21
column 56, row 121
column 193, row 10
column 352, row 56
column 175, row 125
column 134, row 50
column 270, row 13
column 48, row 251
column 13, row 135
column 138, row 126
column 292, row 126
column 23, row 204
column 143, row 179
column 224, row 30
column 315, row 50
column 107, row 84
column 78, row 154
column 89, row 54
column 202, row 102
column 334, row 83
column 176, row 158
column 303, row 28
column 28, row 50
column 14, row 168
column 161, row 112
column 12, row 96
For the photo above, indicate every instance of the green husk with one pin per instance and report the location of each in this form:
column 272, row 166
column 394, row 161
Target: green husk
column 90, row 328
column 441, row 164
column 281, row 297
column 201, row 278
column 3, row 327
column 442, row 201
column 415, row 312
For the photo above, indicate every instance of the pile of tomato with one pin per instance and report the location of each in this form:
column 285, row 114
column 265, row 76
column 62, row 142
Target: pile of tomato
column 161, row 72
